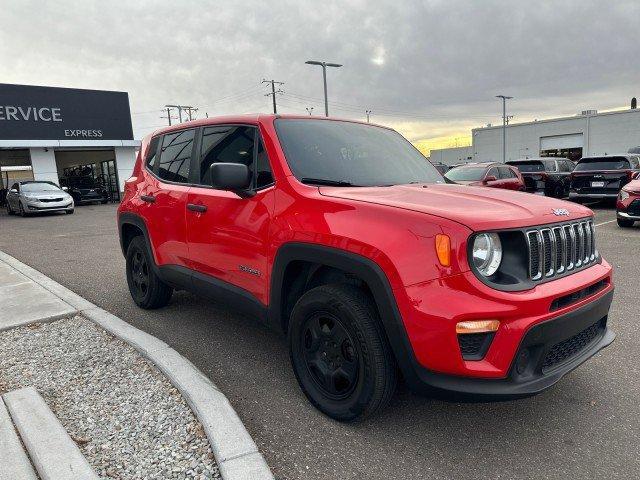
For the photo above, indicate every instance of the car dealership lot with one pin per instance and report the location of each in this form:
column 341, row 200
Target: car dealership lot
column 586, row 426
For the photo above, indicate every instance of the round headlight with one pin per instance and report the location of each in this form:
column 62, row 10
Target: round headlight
column 487, row 253
column 624, row 195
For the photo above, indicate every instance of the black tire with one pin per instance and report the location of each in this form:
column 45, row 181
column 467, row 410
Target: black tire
column 9, row 210
column 21, row 209
column 625, row 223
column 340, row 354
column 146, row 288
column 69, row 212
column 104, row 201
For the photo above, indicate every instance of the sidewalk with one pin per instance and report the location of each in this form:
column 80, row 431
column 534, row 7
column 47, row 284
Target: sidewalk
column 116, row 398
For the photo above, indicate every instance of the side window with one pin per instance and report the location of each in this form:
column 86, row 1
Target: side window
column 493, row 172
column 225, row 144
column 152, row 150
column 15, row 186
column 175, row 156
column 264, row 177
column 505, row 172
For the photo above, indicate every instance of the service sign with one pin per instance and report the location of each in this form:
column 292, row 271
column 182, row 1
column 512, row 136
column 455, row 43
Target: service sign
column 51, row 113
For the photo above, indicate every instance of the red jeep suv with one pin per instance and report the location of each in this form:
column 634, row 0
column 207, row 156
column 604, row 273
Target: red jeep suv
column 342, row 236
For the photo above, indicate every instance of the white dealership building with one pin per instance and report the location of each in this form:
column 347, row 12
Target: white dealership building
column 586, row 134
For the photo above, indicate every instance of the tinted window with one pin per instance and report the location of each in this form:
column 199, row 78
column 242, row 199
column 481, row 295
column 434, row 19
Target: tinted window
column 566, row 166
column 505, row 173
column 151, row 152
column 466, row 174
column 360, row 155
column 529, row 166
column 264, row 177
column 225, row 144
column 602, row 163
column 175, row 156
column 493, row 172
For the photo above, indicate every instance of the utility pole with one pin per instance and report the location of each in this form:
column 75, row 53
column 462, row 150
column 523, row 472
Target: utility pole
column 368, row 112
column 169, row 116
column 309, row 110
column 324, row 66
column 504, row 125
column 273, row 92
column 509, row 117
column 187, row 108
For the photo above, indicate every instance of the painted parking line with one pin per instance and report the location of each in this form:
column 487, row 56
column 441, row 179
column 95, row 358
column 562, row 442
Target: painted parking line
column 604, row 223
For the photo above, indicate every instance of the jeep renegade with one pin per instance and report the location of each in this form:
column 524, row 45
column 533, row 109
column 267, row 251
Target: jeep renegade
column 344, row 237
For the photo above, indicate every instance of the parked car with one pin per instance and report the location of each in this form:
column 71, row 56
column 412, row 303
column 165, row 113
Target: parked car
column 545, row 176
column 489, row 174
column 628, row 204
column 441, row 167
column 342, row 236
column 601, row 178
column 84, row 189
column 29, row 197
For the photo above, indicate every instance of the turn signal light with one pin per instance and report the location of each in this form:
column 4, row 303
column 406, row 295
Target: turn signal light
column 477, row 326
column 443, row 249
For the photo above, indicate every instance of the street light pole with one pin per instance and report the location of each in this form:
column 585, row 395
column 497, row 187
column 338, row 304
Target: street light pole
column 504, row 125
column 324, row 66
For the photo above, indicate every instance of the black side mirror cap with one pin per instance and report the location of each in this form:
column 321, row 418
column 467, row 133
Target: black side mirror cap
column 234, row 177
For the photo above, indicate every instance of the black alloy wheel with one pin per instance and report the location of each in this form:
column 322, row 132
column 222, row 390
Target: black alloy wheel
column 146, row 288
column 339, row 352
column 330, row 355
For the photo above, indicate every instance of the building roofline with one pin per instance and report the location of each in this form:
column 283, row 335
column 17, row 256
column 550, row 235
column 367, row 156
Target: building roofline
column 559, row 119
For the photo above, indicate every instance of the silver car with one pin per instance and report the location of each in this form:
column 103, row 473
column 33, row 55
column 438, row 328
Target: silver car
column 32, row 197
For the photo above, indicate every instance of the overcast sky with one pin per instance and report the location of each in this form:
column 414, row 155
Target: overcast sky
column 430, row 69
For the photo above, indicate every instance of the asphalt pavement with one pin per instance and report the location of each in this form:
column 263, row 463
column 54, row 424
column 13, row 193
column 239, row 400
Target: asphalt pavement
column 587, row 426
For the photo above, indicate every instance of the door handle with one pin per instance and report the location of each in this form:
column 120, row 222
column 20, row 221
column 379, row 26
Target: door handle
column 148, row 198
column 196, row 208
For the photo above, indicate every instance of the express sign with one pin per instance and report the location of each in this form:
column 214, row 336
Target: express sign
column 49, row 113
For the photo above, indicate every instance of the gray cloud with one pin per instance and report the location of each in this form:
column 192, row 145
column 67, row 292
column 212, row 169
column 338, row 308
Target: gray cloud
column 430, row 67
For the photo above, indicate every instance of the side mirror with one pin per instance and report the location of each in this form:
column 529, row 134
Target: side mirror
column 490, row 178
column 13, row 190
column 231, row 176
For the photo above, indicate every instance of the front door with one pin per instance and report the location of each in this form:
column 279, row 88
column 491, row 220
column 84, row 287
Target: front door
column 228, row 235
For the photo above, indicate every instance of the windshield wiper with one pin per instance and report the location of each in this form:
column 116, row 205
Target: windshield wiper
column 327, row 182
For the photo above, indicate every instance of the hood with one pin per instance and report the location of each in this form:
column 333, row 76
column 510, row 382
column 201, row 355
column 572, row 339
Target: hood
column 479, row 208
column 633, row 186
column 47, row 194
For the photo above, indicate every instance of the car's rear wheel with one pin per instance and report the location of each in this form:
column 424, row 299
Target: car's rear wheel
column 339, row 352
column 146, row 288
column 625, row 223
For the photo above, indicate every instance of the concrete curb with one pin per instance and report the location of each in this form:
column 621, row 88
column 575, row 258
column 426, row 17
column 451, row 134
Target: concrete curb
column 235, row 451
column 53, row 453
column 15, row 463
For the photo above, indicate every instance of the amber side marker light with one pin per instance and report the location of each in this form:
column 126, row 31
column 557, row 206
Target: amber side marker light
column 477, row 326
column 443, row 249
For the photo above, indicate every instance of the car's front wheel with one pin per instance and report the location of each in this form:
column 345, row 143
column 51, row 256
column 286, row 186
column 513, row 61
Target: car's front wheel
column 9, row 209
column 623, row 223
column 21, row 209
column 339, row 352
column 146, row 288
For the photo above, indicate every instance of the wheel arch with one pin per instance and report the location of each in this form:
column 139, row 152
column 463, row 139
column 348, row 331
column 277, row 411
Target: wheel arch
column 129, row 226
column 296, row 264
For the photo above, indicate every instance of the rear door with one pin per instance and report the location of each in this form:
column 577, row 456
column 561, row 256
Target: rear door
column 165, row 197
column 228, row 235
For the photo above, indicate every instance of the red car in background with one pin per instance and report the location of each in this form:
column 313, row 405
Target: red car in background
column 628, row 204
column 489, row 174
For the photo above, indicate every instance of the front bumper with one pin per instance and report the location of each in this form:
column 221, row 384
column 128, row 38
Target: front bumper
column 592, row 196
column 37, row 206
column 559, row 309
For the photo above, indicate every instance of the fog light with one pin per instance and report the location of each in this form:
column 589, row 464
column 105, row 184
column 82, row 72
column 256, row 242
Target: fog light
column 477, row 326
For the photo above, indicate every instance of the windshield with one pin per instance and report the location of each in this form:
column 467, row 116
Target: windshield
column 528, row 166
column 602, row 163
column 351, row 154
column 38, row 187
column 466, row 174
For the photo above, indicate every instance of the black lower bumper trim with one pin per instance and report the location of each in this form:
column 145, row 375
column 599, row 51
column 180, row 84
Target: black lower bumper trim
column 526, row 375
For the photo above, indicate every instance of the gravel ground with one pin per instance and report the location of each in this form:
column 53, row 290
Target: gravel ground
column 125, row 416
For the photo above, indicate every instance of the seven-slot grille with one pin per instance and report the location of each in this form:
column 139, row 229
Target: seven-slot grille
column 559, row 249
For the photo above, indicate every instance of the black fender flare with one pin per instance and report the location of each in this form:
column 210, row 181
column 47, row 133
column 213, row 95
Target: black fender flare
column 127, row 218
